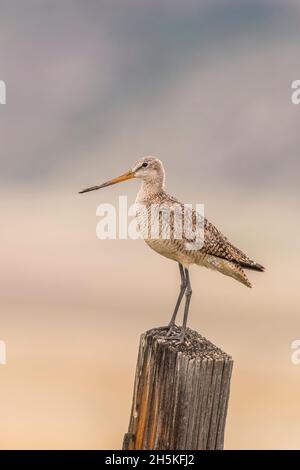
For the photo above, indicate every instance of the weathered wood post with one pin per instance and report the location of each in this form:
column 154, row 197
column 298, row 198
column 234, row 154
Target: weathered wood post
column 181, row 394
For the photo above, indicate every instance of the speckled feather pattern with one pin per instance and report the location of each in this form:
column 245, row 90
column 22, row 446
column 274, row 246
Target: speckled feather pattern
column 217, row 252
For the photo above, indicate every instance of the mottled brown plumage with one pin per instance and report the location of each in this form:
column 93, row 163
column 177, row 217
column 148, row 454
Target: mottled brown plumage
column 202, row 244
column 217, row 252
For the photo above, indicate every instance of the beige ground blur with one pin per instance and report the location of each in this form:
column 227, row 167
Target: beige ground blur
column 73, row 308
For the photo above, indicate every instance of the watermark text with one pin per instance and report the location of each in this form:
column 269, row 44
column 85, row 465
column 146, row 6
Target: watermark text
column 295, row 97
column 152, row 221
column 2, row 92
column 295, row 357
column 2, row 352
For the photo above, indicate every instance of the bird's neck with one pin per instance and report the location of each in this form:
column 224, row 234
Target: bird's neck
column 149, row 189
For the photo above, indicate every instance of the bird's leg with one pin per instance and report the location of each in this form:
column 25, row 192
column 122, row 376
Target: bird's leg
column 171, row 324
column 188, row 294
column 180, row 296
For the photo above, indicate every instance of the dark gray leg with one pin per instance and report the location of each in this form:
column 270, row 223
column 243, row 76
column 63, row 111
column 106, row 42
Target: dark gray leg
column 188, row 294
column 180, row 296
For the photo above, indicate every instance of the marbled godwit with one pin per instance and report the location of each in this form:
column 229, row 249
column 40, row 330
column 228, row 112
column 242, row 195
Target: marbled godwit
column 216, row 252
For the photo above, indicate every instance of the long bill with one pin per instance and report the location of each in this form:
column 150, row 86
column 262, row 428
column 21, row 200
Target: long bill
column 119, row 179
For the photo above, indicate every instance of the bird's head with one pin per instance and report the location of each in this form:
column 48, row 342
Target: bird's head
column 149, row 169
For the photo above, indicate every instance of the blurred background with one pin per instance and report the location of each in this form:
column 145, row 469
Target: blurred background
column 92, row 86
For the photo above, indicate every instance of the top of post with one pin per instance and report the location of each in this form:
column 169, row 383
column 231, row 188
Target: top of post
column 195, row 345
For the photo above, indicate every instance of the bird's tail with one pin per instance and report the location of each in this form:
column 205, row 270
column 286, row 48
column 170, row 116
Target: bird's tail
column 239, row 274
column 224, row 266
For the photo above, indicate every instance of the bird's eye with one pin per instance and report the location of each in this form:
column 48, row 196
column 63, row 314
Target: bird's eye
column 145, row 164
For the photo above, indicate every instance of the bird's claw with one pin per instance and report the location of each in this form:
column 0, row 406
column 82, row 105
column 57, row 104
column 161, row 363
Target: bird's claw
column 170, row 334
column 179, row 338
column 170, row 330
column 161, row 328
column 168, row 327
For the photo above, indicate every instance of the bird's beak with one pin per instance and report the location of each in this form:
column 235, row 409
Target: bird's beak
column 119, row 179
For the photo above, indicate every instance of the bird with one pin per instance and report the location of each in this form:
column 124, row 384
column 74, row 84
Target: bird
column 215, row 252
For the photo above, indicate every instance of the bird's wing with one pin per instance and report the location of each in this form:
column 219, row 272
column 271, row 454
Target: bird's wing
column 216, row 244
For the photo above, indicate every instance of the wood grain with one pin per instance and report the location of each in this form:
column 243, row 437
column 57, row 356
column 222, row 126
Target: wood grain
column 181, row 394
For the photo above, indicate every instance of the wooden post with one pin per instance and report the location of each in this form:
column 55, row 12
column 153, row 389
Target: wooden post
column 181, row 394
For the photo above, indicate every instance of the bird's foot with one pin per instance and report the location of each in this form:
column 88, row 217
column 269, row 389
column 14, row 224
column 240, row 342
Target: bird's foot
column 179, row 336
column 161, row 328
column 169, row 330
column 182, row 337
column 172, row 333
column 168, row 327
column 162, row 331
